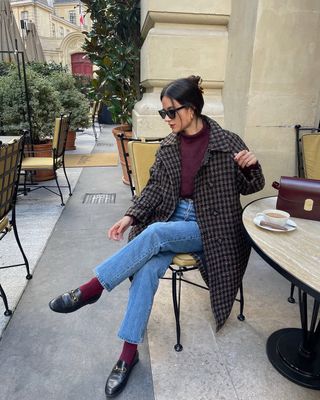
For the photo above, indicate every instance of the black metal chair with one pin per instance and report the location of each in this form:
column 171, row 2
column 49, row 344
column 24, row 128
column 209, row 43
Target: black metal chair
column 94, row 113
column 56, row 161
column 10, row 164
column 138, row 160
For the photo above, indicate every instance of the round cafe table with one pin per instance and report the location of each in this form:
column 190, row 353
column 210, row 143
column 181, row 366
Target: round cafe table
column 295, row 254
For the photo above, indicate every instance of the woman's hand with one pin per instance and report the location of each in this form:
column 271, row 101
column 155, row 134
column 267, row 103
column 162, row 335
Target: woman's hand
column 245, row 158
column 117, row 230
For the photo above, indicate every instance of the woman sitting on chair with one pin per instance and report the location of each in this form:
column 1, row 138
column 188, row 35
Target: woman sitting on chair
column 191, row 204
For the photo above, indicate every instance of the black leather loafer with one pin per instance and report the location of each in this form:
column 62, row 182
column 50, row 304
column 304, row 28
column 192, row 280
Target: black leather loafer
column 119, row 376
column 70, row 301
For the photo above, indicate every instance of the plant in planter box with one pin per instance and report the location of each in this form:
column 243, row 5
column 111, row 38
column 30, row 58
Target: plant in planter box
column 72, row 101
column 113, row 45
column 44, row 107
column 44, row 103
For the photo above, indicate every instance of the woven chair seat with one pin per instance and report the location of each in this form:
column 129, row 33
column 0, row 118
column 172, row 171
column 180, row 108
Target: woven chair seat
column 184, row 260
column 30, row 163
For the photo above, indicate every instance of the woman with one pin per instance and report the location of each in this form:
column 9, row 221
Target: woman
column 190, row 204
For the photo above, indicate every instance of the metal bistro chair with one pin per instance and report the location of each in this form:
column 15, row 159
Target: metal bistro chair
column 94, row 112
column 54, row 162
column 10, row 163
column 308, row 161
column 141, row 154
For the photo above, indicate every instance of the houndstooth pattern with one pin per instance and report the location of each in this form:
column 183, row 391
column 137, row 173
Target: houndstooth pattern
column 217, row 190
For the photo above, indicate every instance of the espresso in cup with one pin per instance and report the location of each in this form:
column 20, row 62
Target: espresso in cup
column 277, row 217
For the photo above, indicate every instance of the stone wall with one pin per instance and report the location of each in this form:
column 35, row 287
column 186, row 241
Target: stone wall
column 272, row 78
column 181, row 38
column 260, row 63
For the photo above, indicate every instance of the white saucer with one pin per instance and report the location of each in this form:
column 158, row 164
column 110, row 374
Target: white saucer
column 291, row 226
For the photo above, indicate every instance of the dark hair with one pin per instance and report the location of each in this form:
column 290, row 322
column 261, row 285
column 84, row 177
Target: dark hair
column 187, row 91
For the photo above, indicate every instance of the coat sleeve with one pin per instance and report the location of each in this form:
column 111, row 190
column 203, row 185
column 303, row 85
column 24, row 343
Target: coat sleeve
column 151, row 196
column 249, row 180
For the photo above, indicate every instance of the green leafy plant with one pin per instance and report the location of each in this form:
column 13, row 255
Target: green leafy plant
column 44, row 104
column 47, row 69
column 5, row 68
column 83, row 84
column 113, row 45
column 71, row 99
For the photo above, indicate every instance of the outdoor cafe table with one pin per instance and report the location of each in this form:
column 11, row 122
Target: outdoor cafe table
column 295, row 254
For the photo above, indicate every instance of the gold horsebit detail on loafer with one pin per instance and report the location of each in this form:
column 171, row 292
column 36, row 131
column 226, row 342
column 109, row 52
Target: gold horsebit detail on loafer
column 122, row 369
column 74, row 296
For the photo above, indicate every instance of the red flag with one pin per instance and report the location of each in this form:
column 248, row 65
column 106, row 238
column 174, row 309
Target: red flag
column 81, row 15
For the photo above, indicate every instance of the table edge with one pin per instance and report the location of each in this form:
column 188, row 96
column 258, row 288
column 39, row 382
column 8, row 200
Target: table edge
column 297, row 282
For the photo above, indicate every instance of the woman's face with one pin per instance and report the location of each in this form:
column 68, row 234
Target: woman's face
column 183, row 119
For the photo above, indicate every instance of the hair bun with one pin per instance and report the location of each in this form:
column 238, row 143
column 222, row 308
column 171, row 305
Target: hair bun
column 196, row 80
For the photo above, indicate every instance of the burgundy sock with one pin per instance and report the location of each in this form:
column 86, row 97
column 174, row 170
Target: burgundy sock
column 91, row 289
column 128, row 352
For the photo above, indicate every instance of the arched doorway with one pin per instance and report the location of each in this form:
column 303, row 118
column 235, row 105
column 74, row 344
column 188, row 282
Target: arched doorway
column 81, row 65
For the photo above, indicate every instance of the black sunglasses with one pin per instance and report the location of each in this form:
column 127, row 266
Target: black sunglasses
column 171, row 113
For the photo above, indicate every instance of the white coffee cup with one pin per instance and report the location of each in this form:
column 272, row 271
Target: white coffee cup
column 273, row 216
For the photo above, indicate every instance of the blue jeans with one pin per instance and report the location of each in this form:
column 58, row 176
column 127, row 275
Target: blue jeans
column 146, row 258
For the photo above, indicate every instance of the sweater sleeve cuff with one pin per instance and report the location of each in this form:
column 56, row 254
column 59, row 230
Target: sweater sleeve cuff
column 247, row 170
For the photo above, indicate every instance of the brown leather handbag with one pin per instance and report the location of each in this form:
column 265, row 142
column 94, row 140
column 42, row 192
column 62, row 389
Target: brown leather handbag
column 299, row 197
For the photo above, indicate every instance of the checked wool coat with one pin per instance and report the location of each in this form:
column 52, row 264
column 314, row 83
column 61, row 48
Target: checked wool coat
column 217, row 188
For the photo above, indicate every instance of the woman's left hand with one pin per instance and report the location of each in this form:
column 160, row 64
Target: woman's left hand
column 245, row 158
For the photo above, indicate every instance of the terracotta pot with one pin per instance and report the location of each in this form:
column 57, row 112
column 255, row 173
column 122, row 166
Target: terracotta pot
column 71, row 139
column 42, row 150
column 126, row 130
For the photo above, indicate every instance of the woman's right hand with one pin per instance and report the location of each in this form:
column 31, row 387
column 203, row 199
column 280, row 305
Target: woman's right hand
column 117, row 230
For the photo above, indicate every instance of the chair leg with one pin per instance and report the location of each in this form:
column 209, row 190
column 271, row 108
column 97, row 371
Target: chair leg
column 25, row 183
column 26, row 262
column 8, row 312
column 16, row 235
column 176, row 307
column 291, row 299
column 58, row 186
column 95, row 133
column 241, row 317
column 65, row 174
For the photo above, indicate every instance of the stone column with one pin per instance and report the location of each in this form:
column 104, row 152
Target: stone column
column 181, row 38
column 272, row 78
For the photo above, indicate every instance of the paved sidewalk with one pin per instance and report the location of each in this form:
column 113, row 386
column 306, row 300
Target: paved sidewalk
column 51, row 356
column 37, row 213
column 56, row 356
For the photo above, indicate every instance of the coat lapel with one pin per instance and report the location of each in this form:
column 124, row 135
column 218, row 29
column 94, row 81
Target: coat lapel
column 217, row 140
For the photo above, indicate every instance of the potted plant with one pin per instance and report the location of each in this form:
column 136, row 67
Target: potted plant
column 71, row 97
column 44, row 106
column 113, row 46
column 72, row 101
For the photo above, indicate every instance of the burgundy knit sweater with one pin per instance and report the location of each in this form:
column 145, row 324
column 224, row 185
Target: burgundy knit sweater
column 192, row 150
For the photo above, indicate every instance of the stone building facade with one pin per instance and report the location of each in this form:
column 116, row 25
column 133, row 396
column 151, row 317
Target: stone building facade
column 58, row 26
column 259, row 61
